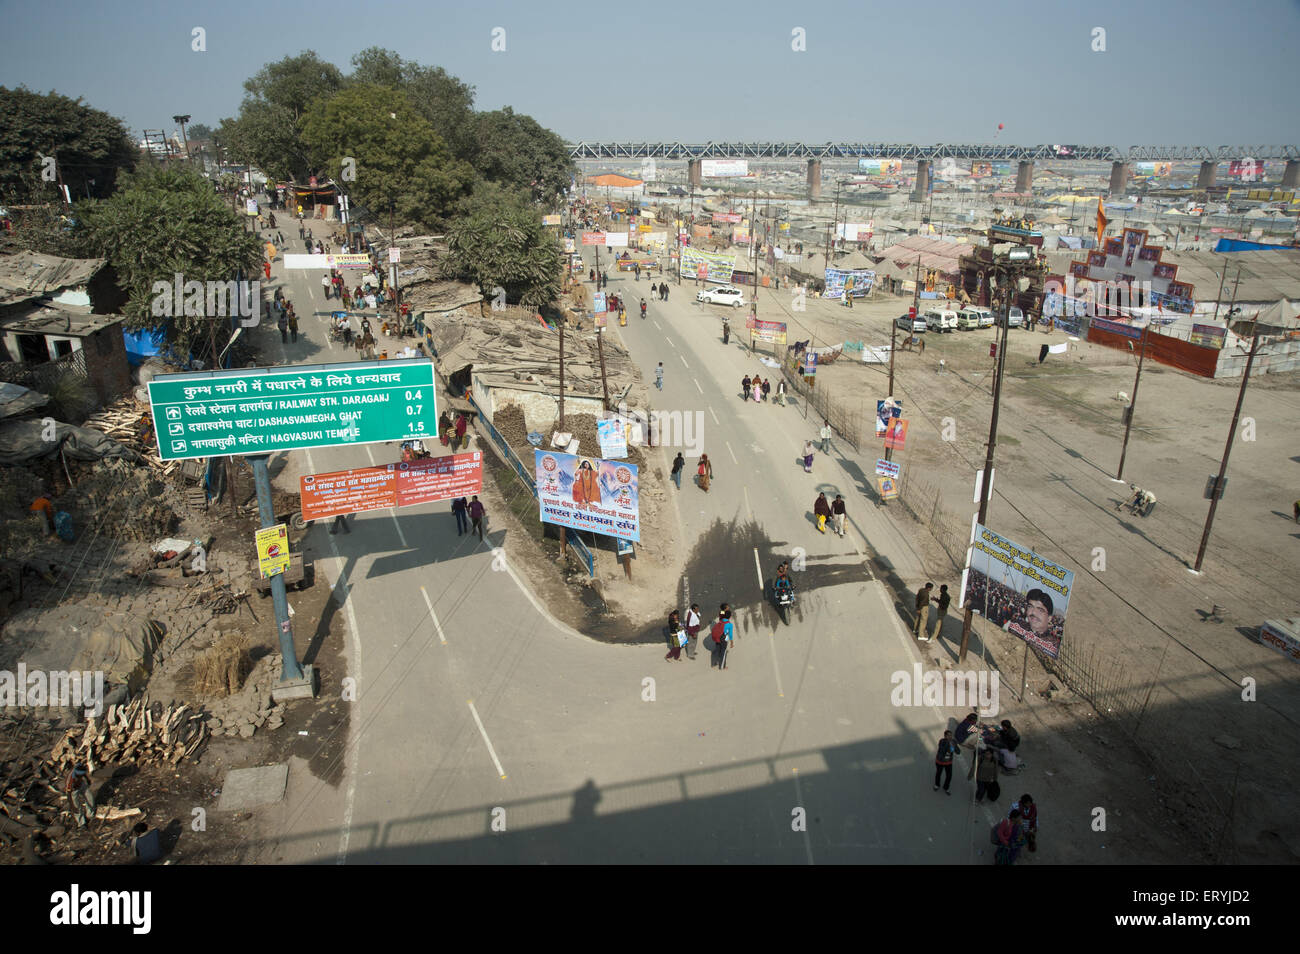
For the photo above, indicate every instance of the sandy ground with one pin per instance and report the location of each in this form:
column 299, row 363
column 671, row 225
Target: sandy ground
column 1139, row 616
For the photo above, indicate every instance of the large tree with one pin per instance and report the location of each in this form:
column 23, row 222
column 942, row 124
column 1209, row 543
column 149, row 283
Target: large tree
column 165, row 221
column 398, row 158
column 442, row 99
column 294, row 82
column 266, row 136
column 515, row 150
column 498, row 240
column 89, row 147
column 267, row 133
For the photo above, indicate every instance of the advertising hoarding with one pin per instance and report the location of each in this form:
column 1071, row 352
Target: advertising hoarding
column 722, row 168
column 1018, row 590
column 587, row 493
column 402, row 484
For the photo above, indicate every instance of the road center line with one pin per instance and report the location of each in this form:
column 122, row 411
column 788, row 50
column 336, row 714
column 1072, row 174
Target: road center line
column 758, row 569
column 748, row 507
column 779, row 691
column 432, row 615
column 688, row 367
column 732, row 453
column 714, row 416
column 656, row 324
column 697, row 385
column 483, row 732
column 670, row 343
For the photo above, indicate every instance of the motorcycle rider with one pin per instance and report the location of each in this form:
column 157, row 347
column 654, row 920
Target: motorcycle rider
column 642, row 309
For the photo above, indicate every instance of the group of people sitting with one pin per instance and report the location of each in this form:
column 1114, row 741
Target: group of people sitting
column 1003, row 739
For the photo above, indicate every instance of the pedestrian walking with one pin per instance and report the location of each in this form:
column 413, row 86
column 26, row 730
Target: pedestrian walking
column 81, row 800
column 985, row 771
column 659, row 376
column 922, row 612
column 944, row 599
column 1296, row 508
column 693, row 623
column 1010, row 835
column 822, row 511
column 266, row 270
column 368, row 346
column 283, row 324
column 838, row 514
column 744, row 386
column 476, row 515
column 637, row 269
column 679, row 464
column 459, row 508
column 780, row 393
column 826, row 436
column 1029, row 817
column 293, row 327
column 591, row 276
column 462, row 423
column 723, row 635
column 943, row 757
column 767, row 388
column 807, row 456
column 756, row 386
column 704, row 472
column 664, row 286
column 676, row 636
column 340, row 520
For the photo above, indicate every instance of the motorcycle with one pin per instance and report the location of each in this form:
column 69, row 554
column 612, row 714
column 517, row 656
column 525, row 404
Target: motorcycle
column 783, row 598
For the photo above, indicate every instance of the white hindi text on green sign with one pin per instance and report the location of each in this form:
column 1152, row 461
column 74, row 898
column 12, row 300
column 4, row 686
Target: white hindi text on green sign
column 260, row 411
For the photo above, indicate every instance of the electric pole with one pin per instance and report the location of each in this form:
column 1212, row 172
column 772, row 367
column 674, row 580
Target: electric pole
column 1129, row 411
column 1217, row 489
column 987, row 479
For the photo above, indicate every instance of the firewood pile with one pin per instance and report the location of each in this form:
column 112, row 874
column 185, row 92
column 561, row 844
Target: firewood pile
column 129, row 422
column 135, row 732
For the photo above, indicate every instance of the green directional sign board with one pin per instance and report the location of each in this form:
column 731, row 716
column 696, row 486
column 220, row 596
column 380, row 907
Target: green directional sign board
column 263, row 410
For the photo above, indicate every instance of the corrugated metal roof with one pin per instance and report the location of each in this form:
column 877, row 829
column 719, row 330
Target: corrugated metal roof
column 30, row 275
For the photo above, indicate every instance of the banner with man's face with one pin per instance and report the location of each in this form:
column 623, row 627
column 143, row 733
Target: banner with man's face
column 1018, row 590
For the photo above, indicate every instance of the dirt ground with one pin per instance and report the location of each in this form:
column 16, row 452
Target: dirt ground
column 1169, row 675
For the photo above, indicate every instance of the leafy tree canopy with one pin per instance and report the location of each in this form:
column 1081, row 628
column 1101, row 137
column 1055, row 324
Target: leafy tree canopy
column 398, row 157
column 517, row 151
column 294, row 82
column 164, row 221
column 442, row 99
column 197, row 131
column 498, row 240
column 266, row 136
column 89, row 147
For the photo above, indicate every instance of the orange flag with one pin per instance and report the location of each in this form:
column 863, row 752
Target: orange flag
column 1101, row 221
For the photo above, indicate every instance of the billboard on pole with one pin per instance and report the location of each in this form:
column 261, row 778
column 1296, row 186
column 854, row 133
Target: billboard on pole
column 587, row 493
column 1018, row 590
column 402, row 484
column 719, row 168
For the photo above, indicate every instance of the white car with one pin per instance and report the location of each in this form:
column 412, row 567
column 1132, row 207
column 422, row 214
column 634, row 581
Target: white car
column 915, row 324
column 941, row 319
column 721, row 295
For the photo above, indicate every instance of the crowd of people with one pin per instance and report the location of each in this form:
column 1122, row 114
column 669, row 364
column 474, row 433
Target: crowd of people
column 1001, row 604
column 686, row 635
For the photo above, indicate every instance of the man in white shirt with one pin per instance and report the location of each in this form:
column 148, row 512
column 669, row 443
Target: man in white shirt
column 692, row 629
column 326, row 284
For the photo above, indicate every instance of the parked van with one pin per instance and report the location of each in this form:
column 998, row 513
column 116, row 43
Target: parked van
column 968, row 319
column 941, row 319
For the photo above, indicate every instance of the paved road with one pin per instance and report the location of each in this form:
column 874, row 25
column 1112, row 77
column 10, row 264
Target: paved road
column 484, row 730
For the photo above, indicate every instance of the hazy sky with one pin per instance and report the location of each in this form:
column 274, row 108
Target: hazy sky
column 1190, row 73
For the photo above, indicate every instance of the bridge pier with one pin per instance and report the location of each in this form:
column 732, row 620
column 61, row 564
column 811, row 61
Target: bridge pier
column 1119, row 173
column 1205, row 178
column 1025, row 177
column 693, row 177
column 814, row 178
column 1291, row 174
column 922, row 180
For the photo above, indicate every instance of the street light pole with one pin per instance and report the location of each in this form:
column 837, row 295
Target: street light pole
column 1217, row 490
